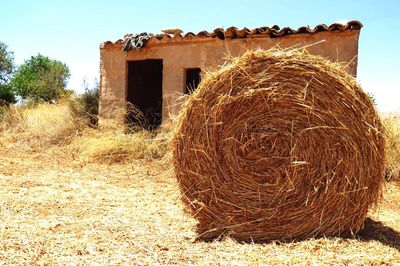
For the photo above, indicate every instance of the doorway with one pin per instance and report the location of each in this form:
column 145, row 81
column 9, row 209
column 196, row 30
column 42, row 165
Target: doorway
column 144, row 93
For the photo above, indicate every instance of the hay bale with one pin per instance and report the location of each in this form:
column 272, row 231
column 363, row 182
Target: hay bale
column 279, row 145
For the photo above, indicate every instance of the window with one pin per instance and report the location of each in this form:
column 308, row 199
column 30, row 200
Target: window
column 192, row 79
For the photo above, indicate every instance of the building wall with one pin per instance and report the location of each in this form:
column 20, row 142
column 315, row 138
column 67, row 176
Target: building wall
column 177, row 55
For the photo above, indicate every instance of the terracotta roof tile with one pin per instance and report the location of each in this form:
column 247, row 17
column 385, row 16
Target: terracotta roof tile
column 233, row 32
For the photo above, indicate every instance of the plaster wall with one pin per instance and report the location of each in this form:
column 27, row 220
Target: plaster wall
column 206, row 53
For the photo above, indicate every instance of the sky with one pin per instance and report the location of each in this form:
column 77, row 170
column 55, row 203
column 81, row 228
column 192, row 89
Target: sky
column 72, row 30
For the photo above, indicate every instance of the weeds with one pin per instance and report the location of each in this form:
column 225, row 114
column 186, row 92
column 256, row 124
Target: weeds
column 67, row 124
column 392, row 124
column 41, row 125
column 89, row 101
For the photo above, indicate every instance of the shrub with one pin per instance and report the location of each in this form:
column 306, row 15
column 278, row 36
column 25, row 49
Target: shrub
column 6, row 70
column 90, row 103
column 392, row 124
column 6, row 95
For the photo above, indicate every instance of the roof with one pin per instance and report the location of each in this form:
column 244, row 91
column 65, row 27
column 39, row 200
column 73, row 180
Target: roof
column 234, row 33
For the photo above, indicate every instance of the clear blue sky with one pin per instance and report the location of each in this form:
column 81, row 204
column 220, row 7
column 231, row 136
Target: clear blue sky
column 72, row 30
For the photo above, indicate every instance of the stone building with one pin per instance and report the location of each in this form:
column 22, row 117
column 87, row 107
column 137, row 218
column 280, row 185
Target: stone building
column 154, row 77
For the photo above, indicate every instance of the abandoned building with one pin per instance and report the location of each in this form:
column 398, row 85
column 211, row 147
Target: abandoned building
column 152, row 72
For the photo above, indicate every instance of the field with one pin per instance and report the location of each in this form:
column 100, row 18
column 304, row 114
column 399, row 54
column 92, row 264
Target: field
column 63, row 203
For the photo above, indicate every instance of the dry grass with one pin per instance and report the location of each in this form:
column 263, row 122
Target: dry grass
column 41, row 125
column 279, row 145
column 58, row 206
column 55, row 209
column 392, row 124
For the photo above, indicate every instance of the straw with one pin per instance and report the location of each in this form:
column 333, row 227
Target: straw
column 278, row 145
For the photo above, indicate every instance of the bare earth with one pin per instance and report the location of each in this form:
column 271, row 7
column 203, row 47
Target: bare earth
column 57, row 209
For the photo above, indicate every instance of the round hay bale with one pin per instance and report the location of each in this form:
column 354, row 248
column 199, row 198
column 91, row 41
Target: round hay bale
column 278, row 145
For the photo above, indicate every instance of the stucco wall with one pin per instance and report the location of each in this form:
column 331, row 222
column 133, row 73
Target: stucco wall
column 338, row 46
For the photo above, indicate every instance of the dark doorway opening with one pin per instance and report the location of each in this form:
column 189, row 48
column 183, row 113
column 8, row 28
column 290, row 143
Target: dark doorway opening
column 144, row 93
column 192, row 79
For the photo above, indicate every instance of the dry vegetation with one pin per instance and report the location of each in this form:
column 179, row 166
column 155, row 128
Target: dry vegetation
column 392, row 123
column 70, row 194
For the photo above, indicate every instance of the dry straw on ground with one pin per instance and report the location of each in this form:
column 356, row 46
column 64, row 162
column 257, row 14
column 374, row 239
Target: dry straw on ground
column 279, row 145
column 115, row 146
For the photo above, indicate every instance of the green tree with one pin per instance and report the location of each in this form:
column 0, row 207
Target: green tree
column 6, row 70
column 40, row 78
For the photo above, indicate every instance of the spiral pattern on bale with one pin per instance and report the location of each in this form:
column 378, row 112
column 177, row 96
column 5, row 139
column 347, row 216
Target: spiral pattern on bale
column 278, row 145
